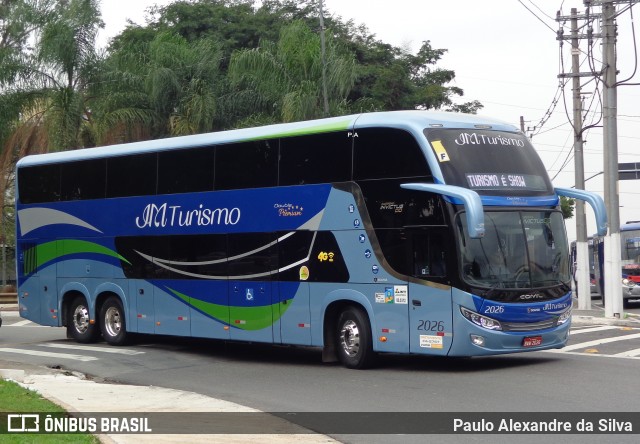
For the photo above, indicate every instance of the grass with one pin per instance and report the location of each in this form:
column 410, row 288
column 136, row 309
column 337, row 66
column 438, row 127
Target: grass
column 16, row 399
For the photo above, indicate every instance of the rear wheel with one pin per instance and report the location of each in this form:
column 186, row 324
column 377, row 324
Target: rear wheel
column 79, row 326
column 353, row 339
column 112, row 322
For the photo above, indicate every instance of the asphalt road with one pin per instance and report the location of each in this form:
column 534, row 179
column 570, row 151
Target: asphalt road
column 599, row 377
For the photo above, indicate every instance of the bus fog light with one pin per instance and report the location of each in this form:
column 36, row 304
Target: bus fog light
column 477, row 340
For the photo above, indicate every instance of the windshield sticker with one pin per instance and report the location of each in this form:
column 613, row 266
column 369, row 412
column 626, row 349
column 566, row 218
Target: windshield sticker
column 441, row 152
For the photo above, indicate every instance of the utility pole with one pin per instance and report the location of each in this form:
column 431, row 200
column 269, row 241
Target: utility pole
column 612, row 263
column 582, row 249
column 324, row 60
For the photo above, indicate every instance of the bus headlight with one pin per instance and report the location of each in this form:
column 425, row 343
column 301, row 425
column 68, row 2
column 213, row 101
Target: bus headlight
column 482, row 321
column 564, row 317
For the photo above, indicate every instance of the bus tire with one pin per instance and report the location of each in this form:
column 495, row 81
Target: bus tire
column 112, row 322
column 354, row 346
column 79, row 325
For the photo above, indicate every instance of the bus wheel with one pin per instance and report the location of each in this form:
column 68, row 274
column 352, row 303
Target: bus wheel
column 78, row 325
column 353, row 339
column 112, row 322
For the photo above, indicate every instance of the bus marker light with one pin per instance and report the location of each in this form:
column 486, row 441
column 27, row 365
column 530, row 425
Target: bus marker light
column 226, row 327
column 477, row 340
column 383, row 339
column 440, row 333
column 92, row 321
column 158, row 323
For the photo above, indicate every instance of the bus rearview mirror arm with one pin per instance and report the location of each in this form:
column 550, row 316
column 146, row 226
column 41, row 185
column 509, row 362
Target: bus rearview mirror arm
column 592, row 199
column 470, row 199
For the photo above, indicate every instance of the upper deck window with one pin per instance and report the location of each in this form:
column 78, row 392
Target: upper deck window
column 386, row 153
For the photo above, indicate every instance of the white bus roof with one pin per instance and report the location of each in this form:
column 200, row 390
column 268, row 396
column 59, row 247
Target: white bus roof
column 409, row 120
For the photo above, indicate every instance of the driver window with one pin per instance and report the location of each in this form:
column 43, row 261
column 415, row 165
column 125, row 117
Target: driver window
column 429, row 255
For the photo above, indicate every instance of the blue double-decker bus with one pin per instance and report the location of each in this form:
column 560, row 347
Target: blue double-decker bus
column 393, row 232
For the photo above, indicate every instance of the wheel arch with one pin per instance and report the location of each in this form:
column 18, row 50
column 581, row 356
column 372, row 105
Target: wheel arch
column 336, row 302
column 69, row 292
column 108, row 289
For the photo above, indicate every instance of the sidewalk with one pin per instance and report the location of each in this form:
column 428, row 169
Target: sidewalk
column 597, row 316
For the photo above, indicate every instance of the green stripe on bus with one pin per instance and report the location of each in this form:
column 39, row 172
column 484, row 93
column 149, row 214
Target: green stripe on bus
column 50, row 251
column 256, row 318
column 327, row 127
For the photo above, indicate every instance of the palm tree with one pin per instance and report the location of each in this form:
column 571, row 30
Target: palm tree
column 160, row 87
column 283, row 80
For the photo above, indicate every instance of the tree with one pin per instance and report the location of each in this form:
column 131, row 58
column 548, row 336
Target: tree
column 159, row 87
column 567, row 206
column 390, row 78
column 284, row 79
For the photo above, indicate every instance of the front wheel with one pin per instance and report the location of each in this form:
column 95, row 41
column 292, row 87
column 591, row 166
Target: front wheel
column 113, row 324
column 353, row 339
column 79, row 325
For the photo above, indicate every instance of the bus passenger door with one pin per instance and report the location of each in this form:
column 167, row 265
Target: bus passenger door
column 430, row 317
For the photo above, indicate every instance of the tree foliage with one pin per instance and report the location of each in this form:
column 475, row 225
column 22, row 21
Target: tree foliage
column 567, row 205
column 285, row 78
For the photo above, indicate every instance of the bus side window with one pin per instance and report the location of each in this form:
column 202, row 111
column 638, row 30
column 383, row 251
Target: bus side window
column 185, row 171
column 316, row 158
column 39, row 183
column 247, row 165
column 84, row 179
column 134, row 175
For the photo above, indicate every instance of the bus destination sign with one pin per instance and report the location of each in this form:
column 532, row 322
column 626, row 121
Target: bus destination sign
column 504, row 181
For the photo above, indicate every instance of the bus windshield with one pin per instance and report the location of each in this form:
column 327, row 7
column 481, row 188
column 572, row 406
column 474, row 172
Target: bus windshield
column 630, row 240
column 521, row 249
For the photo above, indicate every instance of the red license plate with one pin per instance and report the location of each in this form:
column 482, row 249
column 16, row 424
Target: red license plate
column 532, row 341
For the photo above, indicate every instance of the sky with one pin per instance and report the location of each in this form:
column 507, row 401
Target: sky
column 505, row 54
